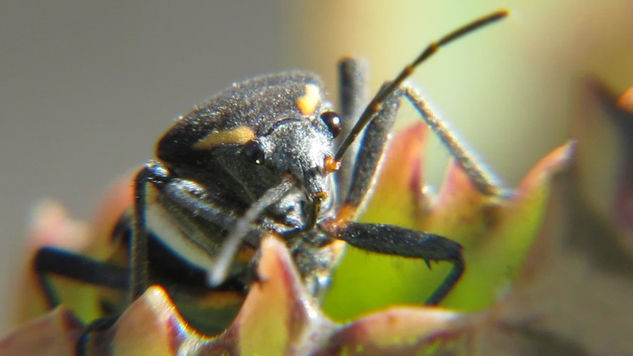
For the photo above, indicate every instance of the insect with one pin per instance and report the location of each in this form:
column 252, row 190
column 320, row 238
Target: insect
column 262, row 158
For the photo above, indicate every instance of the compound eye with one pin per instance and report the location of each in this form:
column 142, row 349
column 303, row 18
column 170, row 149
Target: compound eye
column 333, row 122
column 253, row 152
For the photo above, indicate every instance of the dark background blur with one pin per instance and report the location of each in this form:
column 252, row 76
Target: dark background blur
column 87, row 87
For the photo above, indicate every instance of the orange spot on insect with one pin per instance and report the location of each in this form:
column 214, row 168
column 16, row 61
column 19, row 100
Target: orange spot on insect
column 333, row 225
column 239, row 135
column 322, row 195
column 308, row 103
column 331, row 164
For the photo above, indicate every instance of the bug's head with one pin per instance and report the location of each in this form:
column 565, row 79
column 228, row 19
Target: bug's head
column 252, row 134
column 300, row 145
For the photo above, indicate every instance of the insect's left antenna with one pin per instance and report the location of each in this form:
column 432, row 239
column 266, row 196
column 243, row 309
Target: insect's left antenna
column 375, row 104
column 229, row 248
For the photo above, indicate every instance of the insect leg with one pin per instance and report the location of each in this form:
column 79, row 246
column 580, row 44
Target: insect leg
column 187, row 197
column 399, row 241
column 372, row 147
column 484, row 180
column 180, row 198
column 97, row 325
column 386, row 238
column 154, row 173
column 52, row 260
column 352, row 74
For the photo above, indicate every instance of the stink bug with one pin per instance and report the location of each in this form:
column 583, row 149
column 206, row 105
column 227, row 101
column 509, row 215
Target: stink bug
column 261, row 158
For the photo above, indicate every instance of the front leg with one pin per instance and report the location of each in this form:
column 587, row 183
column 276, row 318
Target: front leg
column 52, row 260
column 386, row 238
column 398, row 241
column 352, row 75
column 484, row 180
column 192, row 214
column 371, row 151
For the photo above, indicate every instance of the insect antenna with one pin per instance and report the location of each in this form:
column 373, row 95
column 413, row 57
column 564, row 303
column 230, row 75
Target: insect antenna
column 375, row 104
column 229, row 248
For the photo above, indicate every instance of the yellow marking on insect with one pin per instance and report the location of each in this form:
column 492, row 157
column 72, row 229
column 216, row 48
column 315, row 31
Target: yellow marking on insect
column 331, row 165
column 308, row 103
column 239, row 135
column 335, row 224
column 321, row 195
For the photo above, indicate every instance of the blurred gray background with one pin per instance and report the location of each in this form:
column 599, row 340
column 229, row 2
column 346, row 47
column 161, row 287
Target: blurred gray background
column 88, row 87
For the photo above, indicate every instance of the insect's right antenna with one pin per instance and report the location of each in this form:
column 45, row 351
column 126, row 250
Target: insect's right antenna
column 375, row 104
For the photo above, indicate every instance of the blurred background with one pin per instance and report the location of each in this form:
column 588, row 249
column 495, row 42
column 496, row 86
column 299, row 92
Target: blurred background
column 87, row 88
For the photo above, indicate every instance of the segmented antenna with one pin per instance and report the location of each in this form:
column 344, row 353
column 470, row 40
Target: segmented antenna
column 375, row 104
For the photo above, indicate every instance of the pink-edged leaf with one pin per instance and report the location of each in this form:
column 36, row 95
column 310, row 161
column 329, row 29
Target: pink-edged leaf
column 53, row 334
